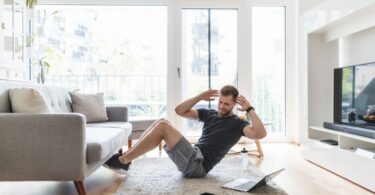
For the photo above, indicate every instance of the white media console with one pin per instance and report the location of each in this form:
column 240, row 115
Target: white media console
column 341, row 159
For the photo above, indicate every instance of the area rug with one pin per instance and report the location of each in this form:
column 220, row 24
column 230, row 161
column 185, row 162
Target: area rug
column 160, row 176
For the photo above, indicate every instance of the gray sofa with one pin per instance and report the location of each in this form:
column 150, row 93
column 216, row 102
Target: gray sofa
column 58, row 146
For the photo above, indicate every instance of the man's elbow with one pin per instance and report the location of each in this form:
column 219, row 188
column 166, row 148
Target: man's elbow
column 178, row 111
column 262, row 134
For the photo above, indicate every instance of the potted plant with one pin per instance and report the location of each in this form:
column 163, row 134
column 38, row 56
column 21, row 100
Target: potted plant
column 44, row 67
column 31, row 3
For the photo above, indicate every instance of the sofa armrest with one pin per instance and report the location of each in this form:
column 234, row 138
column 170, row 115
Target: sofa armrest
column 42, row 146
column 117, row 113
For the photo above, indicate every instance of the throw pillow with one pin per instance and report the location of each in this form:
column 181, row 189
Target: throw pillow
column 90, row 105
column 27, row 100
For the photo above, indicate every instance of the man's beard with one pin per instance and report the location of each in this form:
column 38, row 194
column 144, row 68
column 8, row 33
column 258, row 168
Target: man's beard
column 225, row 113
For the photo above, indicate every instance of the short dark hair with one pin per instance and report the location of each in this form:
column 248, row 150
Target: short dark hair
column 229, row 90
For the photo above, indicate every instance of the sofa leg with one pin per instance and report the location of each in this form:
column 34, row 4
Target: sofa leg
column 129, row 143
column 80, row 187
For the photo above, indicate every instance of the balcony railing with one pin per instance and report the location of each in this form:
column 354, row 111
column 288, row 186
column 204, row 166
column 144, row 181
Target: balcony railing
column 144, row 94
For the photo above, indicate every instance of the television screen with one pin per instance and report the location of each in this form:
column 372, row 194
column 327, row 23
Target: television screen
column 358, row 94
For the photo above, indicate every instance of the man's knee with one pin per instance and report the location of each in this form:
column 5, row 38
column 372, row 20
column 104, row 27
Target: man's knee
column 161, row 120
column 164, row 126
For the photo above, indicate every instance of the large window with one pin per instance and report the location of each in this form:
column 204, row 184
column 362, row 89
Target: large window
column 118, row 50
column 121, row 50
column 209, row 55
column 268, row 66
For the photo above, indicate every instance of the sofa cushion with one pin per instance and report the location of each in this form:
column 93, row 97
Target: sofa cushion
column 113, row 124
column 141, row 124
column 90, row 105
column 135, row 135
column 27, row 100
column 102, row 142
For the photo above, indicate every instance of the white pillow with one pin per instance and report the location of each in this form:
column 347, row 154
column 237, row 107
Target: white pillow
column 27, row 100
column 90, row 105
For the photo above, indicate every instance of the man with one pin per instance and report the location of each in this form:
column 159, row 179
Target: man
column 222, row 129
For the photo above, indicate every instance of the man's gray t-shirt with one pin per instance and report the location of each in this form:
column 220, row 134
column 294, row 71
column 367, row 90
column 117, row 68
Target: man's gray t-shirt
column 218, row 136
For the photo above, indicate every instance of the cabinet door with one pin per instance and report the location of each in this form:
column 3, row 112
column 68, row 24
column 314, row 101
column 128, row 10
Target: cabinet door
column 16, row 74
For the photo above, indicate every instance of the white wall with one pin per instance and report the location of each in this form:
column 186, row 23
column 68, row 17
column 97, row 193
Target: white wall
column 322, row 59
column 357, row 48
column 306, row 5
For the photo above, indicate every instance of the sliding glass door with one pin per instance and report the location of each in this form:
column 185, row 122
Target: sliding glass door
column 118, row 50
column 268, row 65
column 209, row 55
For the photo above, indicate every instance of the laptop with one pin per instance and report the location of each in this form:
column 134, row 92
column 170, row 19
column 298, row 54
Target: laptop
column 246, row 185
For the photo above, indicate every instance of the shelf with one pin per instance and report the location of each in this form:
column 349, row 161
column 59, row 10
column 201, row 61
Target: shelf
column 346, row 142
column 352, row 150
column 342, row 161
column 356, row 137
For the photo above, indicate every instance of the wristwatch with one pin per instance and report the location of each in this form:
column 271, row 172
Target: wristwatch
column 249, row 109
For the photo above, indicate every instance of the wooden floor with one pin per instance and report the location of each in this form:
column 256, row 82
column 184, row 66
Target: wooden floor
column 299, row 177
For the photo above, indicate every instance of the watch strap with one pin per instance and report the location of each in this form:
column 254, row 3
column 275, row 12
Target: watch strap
column 250, row 108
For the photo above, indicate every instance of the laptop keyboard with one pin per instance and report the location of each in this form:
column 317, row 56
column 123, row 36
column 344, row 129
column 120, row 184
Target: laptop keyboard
column 246, row 186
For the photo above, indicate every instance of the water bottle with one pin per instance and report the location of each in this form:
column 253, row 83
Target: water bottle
column 245, row 159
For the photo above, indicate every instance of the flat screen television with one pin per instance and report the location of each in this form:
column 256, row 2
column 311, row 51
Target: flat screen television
column 354, row 91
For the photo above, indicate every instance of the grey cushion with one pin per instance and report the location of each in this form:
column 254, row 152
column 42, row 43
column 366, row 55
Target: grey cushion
column 102, row 142
column 117, row 113
column 141, row 124
column 135, row 135
column 90, row 105
column 27, row 100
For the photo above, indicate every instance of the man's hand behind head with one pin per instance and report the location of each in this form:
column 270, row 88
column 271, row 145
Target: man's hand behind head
column 209, row 95
column 243, row 102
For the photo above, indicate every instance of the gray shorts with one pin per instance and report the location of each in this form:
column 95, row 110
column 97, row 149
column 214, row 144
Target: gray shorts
column 188, row 159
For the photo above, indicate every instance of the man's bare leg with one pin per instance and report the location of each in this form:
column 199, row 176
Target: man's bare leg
column 161, row 131
column 148, row 130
